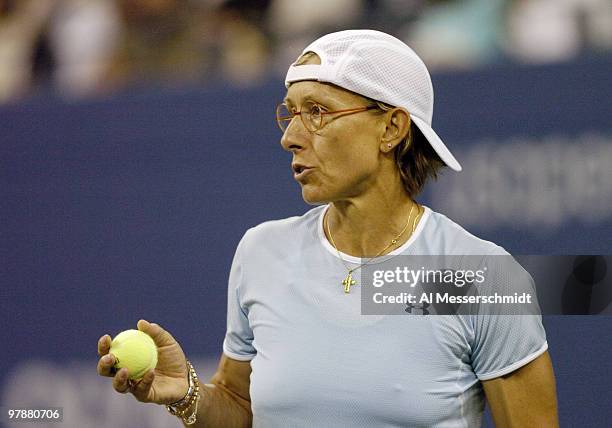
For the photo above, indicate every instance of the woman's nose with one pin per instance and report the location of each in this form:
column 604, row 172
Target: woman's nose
column 295, row 136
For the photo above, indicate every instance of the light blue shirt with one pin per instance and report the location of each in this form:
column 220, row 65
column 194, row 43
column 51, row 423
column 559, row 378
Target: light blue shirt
column 317, row 362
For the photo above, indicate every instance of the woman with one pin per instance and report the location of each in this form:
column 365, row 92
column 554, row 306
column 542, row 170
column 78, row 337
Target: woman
column 297, row 352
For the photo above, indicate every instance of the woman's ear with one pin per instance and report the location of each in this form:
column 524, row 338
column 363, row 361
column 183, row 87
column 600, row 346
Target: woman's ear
column 397, row 122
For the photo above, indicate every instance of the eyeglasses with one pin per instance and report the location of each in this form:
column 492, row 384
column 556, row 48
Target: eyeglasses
column 312, row 115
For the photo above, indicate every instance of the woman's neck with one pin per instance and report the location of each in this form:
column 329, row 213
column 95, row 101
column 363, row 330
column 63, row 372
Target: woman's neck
column 364, row 226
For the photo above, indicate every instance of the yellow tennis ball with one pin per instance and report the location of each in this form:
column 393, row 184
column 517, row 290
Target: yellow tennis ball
column 134, row 350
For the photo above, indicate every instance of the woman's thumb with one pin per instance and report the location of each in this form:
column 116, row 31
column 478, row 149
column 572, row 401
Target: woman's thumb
column 160, row 336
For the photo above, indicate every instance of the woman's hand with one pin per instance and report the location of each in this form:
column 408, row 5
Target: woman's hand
column 165, row 384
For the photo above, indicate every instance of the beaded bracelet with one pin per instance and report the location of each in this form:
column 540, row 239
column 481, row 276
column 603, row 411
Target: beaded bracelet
column 179, row 408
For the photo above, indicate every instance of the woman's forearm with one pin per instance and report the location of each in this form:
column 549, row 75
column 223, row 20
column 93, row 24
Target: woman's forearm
column 219, row 407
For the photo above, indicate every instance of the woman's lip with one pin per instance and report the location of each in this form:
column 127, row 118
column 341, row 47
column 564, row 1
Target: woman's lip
column 302, row 174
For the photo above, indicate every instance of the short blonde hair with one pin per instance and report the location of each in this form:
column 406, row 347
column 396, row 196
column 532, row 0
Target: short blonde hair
column 416, row 160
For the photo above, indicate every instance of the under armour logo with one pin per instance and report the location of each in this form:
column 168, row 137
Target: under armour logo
column 417, row 309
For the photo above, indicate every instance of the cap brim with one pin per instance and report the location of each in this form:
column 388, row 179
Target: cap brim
column 437, row 144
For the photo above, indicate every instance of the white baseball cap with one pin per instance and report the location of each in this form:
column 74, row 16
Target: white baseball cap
column 378, row 66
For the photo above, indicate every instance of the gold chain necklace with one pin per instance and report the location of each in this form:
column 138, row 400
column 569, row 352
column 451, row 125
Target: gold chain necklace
column 349, row 281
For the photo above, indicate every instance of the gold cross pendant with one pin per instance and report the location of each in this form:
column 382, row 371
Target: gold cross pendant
column 348, row 281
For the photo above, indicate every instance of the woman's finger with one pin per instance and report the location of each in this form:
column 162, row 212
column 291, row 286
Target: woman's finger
column 160, row 336
column 104, row 345
column 105, row 365
column 120, row 381
column 141, row 388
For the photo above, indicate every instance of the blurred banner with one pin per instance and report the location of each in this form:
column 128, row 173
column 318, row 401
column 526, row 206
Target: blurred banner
column 131, row 207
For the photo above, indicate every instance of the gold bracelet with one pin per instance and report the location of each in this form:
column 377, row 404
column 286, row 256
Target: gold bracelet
column 190, row 420
column 183, row 401
column 179, row 408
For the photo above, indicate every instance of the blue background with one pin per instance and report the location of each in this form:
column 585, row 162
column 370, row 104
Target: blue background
column 131, row 207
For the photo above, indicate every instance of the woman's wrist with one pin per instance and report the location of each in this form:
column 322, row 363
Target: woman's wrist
column 190, row 386
column 187, row 407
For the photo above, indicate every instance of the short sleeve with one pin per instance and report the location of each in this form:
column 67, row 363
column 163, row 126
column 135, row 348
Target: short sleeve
column 238, row 336
column 503, row 343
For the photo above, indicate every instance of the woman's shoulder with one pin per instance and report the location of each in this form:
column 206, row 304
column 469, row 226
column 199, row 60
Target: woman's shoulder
column 445, row 236
column 289, row 228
